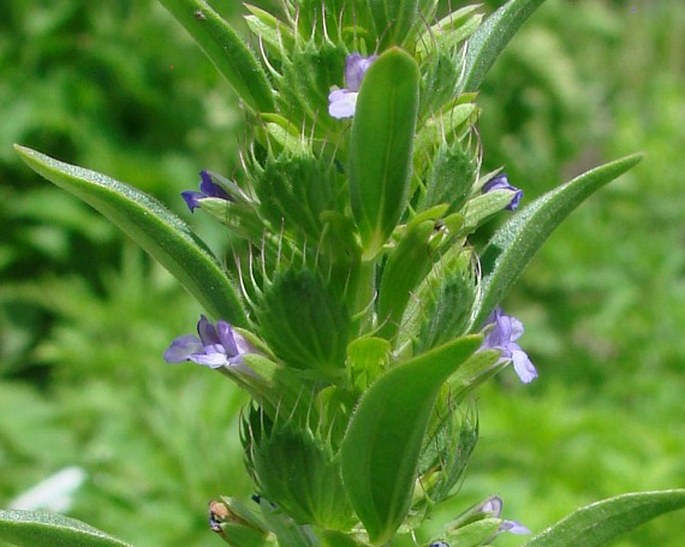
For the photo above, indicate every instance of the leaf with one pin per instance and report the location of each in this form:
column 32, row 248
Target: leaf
column 294, row 190
column 366, row 358
column 226, row 50
column 31, row 528
column 381, row 146
column 277, row 36
column 449, row 126
column 331, row 538
column 304, row 324
column 517, row 241
column 440, row 309
column 492, row 37
column 449, row 31
column 393, row 20
column 308, row 71
column 300, row 471
column 599, row 523
column 159, row 232
column 482, row 207
column 409, row 262
column 407, row 265
column 380, row 451
column 450, row 178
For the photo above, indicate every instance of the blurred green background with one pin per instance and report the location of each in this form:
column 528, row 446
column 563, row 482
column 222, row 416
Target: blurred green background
column 84, row 315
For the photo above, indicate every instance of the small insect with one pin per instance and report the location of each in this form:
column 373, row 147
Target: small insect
column 200, row 15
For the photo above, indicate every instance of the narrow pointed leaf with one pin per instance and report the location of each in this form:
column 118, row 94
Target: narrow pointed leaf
column 159, row 232
column 517, row 241
column 600, row 523
column 405, row 268
column 393, row 20
column 492, row 37
column 381, row 146
column 31, row 528
column 226, row 50
column 380, row 452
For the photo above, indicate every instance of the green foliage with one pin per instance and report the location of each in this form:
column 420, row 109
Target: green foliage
column 492, row 37
column 96, row 84
column 314, row 497
column 381, row 147
column 102, row 408
column 394, row 413
column 162, row 234
column 304, row 324
column 629, row 343
column 512, row 247
column 38, row 528
column 603, row 521
column 603, row 300
column 226, row 49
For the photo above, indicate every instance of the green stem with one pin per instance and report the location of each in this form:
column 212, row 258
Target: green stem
column 364, row 308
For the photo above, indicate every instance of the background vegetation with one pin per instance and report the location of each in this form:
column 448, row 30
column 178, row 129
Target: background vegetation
column 85, row 316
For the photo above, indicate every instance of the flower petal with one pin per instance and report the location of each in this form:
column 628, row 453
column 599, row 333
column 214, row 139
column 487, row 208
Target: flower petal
column 243, row 345
column 211, row 189
column 501, row 182
column 515, row 328
column 192, row 199
column 342, row 103
column 207, row 331
column 355, row 68
column 492, row 506
column 514, row 527
column 523, row 366
column 226, row 338
column 211, row 359
column 182, row 348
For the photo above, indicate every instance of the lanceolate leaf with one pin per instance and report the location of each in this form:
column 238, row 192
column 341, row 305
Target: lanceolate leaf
column 31, row 528
column 492, row 37
column 226, row 50
column 380, row 452
column 515, row 243
column 393, row 20
column 159, row 232
column 381, row 146
column 596, row 525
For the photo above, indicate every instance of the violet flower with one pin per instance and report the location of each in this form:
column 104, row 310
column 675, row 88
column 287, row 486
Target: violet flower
column 218, row 346
column 501, row 182
column 342, row 102
column 502, row 337
column 493, row 508
column 208, row 189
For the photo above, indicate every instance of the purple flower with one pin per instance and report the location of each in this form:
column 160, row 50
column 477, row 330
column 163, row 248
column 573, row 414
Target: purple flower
column 342, row 102
column 501, row 182
column 506, row 329
column 492, row 507
column 208, row 189
column 218, row 346
column 513, row 527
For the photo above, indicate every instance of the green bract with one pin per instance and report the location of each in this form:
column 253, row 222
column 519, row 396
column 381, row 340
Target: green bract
column 353, row 288
column 381, row 147
column 381, row 450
